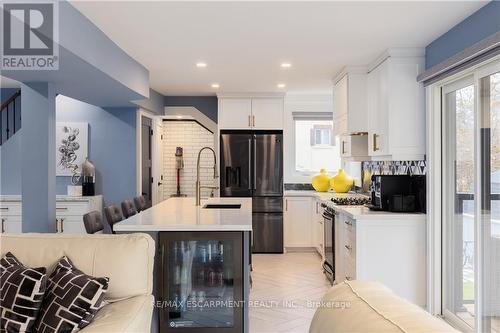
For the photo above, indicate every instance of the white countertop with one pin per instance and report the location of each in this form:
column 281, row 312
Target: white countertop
column 18, row 198
column 355, row 212
column 181, row 214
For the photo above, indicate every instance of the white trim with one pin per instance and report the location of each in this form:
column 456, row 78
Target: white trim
column 434, row 213
column 138, row 163
column 252, row 95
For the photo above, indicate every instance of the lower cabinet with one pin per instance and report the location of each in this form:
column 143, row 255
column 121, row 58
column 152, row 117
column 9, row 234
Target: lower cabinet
column 389, row 250
column 298, row 221
column 69, row 213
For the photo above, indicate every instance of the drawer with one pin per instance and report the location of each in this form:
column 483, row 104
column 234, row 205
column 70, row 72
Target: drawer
column 349, row 269
column 11, row 224
column 70, row 224
column 72, row 208
column 10, row 208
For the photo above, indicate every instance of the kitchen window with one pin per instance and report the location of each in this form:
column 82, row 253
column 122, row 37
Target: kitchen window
column 315, row 146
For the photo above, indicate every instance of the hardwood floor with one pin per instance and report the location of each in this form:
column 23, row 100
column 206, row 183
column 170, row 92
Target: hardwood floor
column 283, row 284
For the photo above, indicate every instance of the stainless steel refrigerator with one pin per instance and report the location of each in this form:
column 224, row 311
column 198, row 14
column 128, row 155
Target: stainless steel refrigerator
column 252, row 166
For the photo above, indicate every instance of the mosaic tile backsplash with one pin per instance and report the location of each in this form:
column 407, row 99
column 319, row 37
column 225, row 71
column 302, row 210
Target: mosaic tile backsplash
column 369, row 168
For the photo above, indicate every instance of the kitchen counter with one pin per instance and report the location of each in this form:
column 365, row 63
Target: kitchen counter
column 355, row 212
column 59, row 198
column 181, row 214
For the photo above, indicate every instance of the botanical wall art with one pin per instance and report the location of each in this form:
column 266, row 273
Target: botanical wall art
column 71, row 148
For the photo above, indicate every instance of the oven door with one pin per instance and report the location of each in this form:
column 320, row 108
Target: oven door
column 329, row 244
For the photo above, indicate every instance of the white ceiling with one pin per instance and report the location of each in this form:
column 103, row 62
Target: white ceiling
column 244, row 43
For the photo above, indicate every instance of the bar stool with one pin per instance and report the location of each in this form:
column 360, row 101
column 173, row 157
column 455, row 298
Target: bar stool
column 113, row 215
column 140, row 203
column 93, row 222
column 128, row 208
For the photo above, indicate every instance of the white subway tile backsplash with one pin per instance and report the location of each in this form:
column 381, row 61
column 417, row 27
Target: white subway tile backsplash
column 191, row 137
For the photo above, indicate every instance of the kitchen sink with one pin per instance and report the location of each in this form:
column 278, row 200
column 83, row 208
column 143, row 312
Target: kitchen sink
column 222, row 206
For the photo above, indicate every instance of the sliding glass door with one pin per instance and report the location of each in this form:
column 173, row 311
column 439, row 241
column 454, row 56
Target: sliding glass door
column 471, row 200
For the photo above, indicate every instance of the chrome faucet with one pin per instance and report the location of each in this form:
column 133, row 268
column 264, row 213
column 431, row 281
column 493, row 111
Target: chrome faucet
column 198, row 184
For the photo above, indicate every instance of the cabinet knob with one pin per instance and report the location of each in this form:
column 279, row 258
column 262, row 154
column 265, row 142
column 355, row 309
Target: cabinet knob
column 348, row 223
column 348, row 247
column 348, row 278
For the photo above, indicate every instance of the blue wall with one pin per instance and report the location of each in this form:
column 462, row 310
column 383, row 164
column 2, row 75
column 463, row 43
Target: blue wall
column 112, row 146
column 205, row 104
column 481, row 24
column 155, row 102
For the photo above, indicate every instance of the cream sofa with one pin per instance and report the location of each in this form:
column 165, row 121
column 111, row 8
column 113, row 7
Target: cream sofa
column 126, row 259
column 370, row 307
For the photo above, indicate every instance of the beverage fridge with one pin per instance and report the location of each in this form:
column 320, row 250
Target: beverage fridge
column 202, row 284
column 251, row 165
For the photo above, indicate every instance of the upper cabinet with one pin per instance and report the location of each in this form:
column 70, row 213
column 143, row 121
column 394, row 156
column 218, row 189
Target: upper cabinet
column 379, row 110
column 252, row 112
column 349, row 101
column 396, row 106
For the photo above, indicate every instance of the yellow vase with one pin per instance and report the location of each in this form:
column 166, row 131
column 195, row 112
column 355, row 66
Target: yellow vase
column 321, row 181
column 342, row 182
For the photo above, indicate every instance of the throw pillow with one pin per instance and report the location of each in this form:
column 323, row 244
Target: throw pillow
column 21, row 294
column 72, row 299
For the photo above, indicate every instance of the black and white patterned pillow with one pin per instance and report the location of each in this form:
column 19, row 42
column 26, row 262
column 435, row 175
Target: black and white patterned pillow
column 21, row 294
column 71, row 300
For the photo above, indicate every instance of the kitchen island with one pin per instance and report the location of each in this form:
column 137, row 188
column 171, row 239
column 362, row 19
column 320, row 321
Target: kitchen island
column 202, row 277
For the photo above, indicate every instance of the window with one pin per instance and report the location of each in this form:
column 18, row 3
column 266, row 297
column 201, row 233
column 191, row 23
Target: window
column 315, row 146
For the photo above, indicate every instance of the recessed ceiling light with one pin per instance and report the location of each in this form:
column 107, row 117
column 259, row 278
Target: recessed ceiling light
column 215, row 85
column 286, row 65
column 201, row 65
column 281, row 85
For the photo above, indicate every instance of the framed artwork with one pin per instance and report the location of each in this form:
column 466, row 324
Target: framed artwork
column 71, row 147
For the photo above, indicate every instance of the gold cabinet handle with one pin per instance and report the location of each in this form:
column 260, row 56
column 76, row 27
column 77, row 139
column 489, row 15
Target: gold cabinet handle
column 3, row 226
column 343, row 147
column 375, row 143
column 62, row 225
column 286, row 205
column 253, row 118
column 249, row 121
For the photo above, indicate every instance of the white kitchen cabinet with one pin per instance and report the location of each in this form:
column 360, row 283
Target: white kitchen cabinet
column 267, row 113
column 389, row 250
column 251, row 112
column 396, row 107
column 297, row 222
column 235, row 113
column 69, row 213
column 318, row 228
column 354, row 147
column 350, row 102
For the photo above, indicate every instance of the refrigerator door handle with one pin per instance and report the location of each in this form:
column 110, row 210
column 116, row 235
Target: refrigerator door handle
column 249, row 164
column 254, row 163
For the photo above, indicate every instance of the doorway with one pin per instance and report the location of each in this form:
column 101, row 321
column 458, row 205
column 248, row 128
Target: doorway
column 146, row 159
column 471, row 200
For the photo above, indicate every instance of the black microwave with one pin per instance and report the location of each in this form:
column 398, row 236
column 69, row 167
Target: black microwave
column 398, row 193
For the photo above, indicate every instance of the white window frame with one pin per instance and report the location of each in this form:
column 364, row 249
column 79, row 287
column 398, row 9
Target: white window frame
column 436, row 197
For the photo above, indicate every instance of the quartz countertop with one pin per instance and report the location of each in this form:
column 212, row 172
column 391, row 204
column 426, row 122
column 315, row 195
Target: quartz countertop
column 181, row 214
column 355, row 212
column 59, row 198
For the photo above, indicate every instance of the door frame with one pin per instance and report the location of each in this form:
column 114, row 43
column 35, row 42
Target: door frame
column 154, row 167
column 436, row 196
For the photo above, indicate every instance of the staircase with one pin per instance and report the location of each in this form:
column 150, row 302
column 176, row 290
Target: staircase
column 10, row 117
